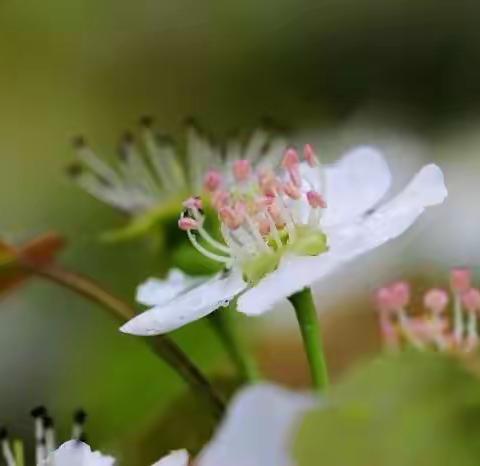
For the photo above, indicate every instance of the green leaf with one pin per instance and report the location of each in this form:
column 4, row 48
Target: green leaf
column 408, row 409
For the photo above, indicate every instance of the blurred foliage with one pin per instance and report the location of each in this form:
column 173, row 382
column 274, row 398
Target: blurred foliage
column 409, row 408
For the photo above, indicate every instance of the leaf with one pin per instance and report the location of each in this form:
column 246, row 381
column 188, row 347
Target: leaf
column 408, row 409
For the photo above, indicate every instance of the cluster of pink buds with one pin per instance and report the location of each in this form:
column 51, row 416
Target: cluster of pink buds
column 260, row 209
column 447, row 321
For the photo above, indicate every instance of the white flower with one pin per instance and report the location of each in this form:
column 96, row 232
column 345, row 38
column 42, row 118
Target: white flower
column 76, row 453
column 283, row 232
column 258, row 430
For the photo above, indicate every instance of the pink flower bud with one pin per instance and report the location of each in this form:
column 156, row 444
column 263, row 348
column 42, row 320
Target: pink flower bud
column 316, row 200
column 187, row 223
column 242, row 169
column 460, row 279
column 212, row 180
column 401, row 293
column 310, row 156
column 436, row 300
column 471, row 300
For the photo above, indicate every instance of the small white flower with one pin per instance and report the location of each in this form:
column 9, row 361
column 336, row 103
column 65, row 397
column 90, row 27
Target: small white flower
column 285, row 230
column 258, row 430
column 76, row 453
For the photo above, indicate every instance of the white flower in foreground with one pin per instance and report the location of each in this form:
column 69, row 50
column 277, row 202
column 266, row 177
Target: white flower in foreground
column 258, row 430
column 76, row 453
column 285, row 230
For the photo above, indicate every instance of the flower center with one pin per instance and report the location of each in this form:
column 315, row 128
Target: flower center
column 262, row 214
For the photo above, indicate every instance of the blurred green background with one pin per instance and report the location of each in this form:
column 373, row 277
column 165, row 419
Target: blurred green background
column 403, row 74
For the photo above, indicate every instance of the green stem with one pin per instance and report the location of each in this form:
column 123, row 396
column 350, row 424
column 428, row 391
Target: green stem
column 307, row 319
column 165, row 347
column 223, row 322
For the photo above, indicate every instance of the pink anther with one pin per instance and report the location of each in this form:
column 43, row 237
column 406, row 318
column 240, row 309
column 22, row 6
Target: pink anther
column 212, row 180
column 436, row 300
column 193, row 203
column 187, row 224
column 291, row 190
column 401, row 293
column 460, row 279
column 471, row 300
column 242, row 169
column 316, row 200
column 309, row 155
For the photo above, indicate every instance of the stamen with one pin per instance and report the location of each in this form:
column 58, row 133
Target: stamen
column 232, row 218
column 187, row 224
column 38, row 414
column 242, row 170
column 436, row 300
column 95, row 163
column 193, row 203
column 256, row 234
column 79, row 418
column 205, row 252
column 212, row 180
column 268, row 183
column 291, row 190
column 290, row 224
column 310, row 156
column 460, row 279
column 163, row 158
column 274, row 231
column 316, row 200
column 220, row 199
column 134, row 167
column 49, row 430
column 291, row 164
column 6, row 449
column 471, row 301
column 400, row 293
column 384, row 300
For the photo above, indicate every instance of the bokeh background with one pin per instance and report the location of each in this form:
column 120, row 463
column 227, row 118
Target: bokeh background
column 403, row 75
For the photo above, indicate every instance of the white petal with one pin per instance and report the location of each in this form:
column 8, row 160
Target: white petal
column 75, row 453
column 347, row 241
column 355, row 184
column 427, row 188
column 155, row 291
column 293, row 274
column 175, row 458
column 258, row 429
column 193, row 305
